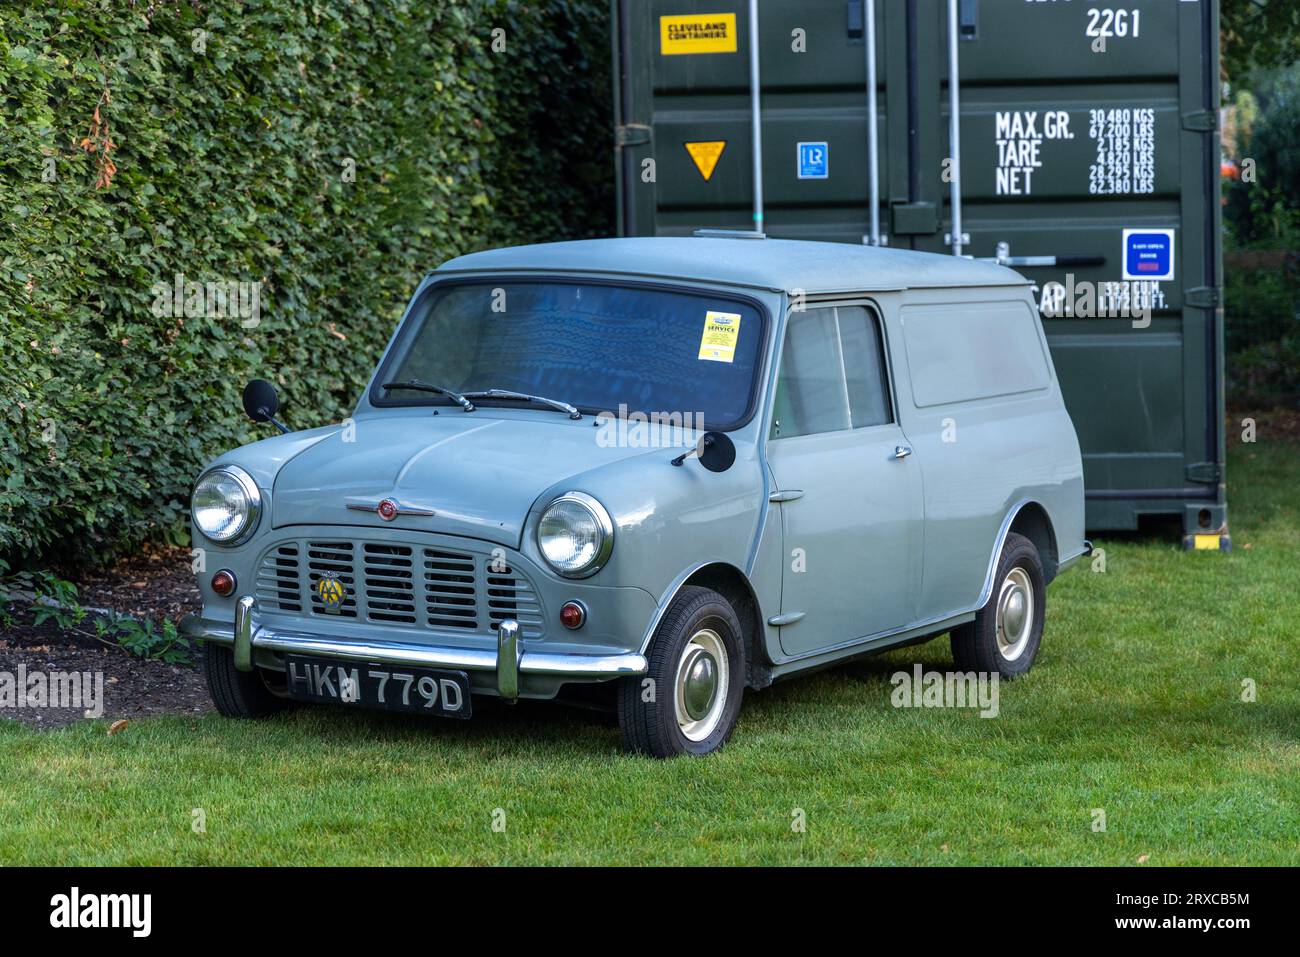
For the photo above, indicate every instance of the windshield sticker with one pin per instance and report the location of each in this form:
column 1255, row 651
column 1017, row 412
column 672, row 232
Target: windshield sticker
column 721, row 330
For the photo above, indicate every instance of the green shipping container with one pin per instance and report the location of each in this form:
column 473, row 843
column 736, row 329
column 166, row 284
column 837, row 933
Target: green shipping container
column 1086, row 156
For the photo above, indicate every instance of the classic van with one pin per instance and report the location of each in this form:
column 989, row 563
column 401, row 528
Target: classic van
column 662, row 470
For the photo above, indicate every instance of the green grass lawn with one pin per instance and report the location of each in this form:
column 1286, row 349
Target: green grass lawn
column 1134, row 707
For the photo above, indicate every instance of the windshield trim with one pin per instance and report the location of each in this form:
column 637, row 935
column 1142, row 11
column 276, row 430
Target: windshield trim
column 377, row 397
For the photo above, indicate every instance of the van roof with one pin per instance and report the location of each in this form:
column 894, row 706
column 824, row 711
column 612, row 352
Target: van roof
column 780, row 264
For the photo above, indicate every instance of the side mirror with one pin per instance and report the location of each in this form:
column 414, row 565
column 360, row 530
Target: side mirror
column 716, row 451
column 261, row 401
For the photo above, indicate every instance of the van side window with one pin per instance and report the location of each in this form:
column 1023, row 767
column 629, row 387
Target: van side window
column 960, row 352
column 832, row 374
column 864, row 367
column 810, row 390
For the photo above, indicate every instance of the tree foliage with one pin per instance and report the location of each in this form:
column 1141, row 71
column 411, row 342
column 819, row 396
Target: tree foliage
column 1259, row 33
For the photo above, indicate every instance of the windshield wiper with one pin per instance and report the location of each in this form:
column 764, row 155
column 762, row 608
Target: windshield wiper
column 525, row 397
column 419, row 386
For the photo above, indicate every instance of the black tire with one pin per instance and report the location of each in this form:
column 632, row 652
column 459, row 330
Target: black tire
column 975, row 645
column 652, row 726
column 237, row 694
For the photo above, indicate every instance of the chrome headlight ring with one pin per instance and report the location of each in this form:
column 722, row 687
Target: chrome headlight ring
column 251, row 505
column 588, row 548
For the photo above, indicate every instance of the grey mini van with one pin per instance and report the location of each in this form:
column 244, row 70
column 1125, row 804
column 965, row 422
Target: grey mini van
column 668, row 470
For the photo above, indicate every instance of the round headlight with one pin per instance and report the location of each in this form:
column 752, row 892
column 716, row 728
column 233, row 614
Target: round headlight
column 575, row 535
column 226, row 505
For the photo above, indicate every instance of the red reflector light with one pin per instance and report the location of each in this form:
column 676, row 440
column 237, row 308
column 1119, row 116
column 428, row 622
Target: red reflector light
column 223, row 583
column 573, row 614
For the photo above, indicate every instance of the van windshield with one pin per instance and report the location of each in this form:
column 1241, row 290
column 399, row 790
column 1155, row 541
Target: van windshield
column 599, row 346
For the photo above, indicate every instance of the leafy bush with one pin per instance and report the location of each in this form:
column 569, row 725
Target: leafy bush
column 1265, row 375
column 52, row 599
column 1262, row 278
column 216, row 140
column 145, row 639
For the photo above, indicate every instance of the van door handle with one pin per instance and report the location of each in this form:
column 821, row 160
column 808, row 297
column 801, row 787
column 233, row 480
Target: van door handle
column 902, row 451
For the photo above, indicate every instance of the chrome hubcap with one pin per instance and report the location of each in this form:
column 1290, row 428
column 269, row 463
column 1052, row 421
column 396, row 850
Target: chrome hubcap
column 701, row 684
column 700, row 692
column 1015, row 618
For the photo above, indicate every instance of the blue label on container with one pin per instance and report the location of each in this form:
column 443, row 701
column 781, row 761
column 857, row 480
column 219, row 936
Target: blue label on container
column 814, row 160
column 1149, row 254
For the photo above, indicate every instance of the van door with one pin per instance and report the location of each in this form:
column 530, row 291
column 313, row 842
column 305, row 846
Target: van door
column 848, row 486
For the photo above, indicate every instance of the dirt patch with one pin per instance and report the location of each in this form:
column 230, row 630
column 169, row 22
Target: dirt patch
column 156, row 585
column 122, row 685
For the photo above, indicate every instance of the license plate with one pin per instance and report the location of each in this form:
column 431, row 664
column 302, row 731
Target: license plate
column 391, row 688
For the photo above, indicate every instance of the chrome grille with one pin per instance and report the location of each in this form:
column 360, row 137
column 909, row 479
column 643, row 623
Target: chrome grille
column 332, row 558
column 399, row 585
column 512, row 596
column 278, row 587
column 389, row 583
column 450, row 589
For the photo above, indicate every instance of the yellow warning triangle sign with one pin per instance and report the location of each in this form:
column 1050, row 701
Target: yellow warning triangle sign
column 706, row 155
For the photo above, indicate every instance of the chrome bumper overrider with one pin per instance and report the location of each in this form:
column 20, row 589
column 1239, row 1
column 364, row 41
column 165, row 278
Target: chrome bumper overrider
column 508, row 660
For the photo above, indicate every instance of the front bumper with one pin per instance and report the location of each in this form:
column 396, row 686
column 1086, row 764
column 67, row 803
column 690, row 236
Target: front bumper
column 508, row 660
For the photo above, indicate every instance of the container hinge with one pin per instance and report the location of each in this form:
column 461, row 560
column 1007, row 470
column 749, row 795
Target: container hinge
column 631, row 134
column 1201, row 121
column 1203, row 297
column 1208, row 472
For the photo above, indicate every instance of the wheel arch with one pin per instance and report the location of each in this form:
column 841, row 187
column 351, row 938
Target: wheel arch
column 733, row 585
column 1029, row 518
column 1032, row 521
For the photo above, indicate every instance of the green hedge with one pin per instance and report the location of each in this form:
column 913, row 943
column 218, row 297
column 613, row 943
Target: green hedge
column 1262, row 274
column 228, row 163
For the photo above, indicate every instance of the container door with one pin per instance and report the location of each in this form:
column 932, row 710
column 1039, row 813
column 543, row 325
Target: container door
column 1090, row 164
column 684, row 90
column 1089, row 160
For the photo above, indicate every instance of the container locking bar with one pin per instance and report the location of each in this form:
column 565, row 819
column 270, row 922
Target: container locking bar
column 954, row 129
column 756, row 118
column 873, row 123
column 1004, row 258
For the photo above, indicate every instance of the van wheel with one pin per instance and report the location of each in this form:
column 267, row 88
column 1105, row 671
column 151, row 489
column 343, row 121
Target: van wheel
column 238, row 694
column 687, row 703
column 1006, row 632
